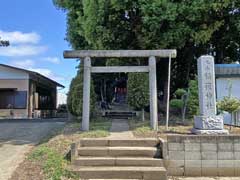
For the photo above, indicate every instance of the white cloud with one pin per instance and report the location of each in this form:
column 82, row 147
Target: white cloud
column 22, row 50
column 17, row 37
column 23, row 63
column 43, row 71
column 54, row 60
column 48, row 73
column 61, row 98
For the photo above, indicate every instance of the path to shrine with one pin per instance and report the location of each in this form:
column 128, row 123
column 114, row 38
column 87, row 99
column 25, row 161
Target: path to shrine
column 120, row 129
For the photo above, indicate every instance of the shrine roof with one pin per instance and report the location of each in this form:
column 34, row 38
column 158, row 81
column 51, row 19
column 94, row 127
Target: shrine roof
column 227, row 70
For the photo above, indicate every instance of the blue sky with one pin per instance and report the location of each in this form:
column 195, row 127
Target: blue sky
column 36, row 30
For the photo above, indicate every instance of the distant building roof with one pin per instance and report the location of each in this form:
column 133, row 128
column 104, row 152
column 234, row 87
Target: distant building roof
column 227, row 70
column 35, row 74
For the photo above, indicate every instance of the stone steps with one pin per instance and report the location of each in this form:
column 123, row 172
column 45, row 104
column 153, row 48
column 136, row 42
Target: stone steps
column 118, row 151
column 116, row 172
column 139, row 142
column 119, row 114
column 118, row 159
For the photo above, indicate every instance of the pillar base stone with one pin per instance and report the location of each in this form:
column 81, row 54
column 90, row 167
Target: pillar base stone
column 209, row 122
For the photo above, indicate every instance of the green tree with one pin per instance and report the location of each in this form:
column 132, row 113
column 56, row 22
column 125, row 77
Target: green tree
column 229, row 104
column 75, row 95
column 4, row 43
column 180, row 101
column 192, row 27
column 193, row 101
column 138, row 91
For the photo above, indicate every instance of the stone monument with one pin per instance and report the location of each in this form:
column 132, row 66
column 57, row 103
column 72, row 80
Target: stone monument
column 207, row 122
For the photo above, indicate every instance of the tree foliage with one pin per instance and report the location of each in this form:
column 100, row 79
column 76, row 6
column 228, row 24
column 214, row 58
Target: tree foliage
column 229, row 104
column 180, row 101
column 193, row 27
column 74, row 100
column 149, row 24
column 4, row 43
column 138, row 90
column 193, row 100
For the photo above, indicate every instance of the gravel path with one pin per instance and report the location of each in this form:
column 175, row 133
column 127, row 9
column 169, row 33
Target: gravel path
column 120, row 129
column 17, row 138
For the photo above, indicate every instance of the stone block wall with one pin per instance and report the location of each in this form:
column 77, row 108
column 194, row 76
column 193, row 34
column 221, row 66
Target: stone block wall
column 203, row 155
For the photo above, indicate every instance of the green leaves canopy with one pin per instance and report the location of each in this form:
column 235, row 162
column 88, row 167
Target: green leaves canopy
column 229, row 104
column 138, row 90
column 193, row 27
column 74, row 100
column 153, row 24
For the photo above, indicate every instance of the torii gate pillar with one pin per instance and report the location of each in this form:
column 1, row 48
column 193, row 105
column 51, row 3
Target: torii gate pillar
column 86, row 93
column 153, row 93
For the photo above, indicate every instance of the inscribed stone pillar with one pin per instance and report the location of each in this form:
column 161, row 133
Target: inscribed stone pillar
column 207, row 122
column 86, row 93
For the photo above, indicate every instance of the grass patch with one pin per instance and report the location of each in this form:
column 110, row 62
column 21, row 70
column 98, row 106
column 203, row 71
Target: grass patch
column 99, row 127
column 178, row 129
column 100, row 123
column 94, row 134
column 141, row 128
column 53, row 164
column 145, row 132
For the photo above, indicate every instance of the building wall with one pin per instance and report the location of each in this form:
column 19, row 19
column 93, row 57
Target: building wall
column 24, row 81
column 8, row 73
column 21, row 85
column 192, row 155
column 222, row 88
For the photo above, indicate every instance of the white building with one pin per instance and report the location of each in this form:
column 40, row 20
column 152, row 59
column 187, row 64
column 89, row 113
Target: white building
column 228, row 75
column 26, row 94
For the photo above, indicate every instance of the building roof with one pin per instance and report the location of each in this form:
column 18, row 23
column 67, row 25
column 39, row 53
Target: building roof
column 227, row 70
column 32, row 73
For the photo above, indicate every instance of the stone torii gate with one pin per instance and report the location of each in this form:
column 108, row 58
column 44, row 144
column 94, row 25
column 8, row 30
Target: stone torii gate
column 151, row 69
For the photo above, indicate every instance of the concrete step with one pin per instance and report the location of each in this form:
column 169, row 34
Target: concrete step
column 117, row 161
column 119, row 151
column 138, row 142
column 120, row 114
column 116, row 172
column 119, row 117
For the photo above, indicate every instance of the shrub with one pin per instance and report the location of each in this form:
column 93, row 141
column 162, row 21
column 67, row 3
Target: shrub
column 229, row 104
column 176, row 103
column 193, row 101
column 180, row 92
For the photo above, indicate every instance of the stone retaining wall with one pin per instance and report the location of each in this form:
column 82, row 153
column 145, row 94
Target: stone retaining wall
column 206, row 155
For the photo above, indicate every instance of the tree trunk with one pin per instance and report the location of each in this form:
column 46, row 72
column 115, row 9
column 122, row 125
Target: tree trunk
column 102, row 93
column 143, row 115
column 183, row 114
column 105, row 89
column 184, row 108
